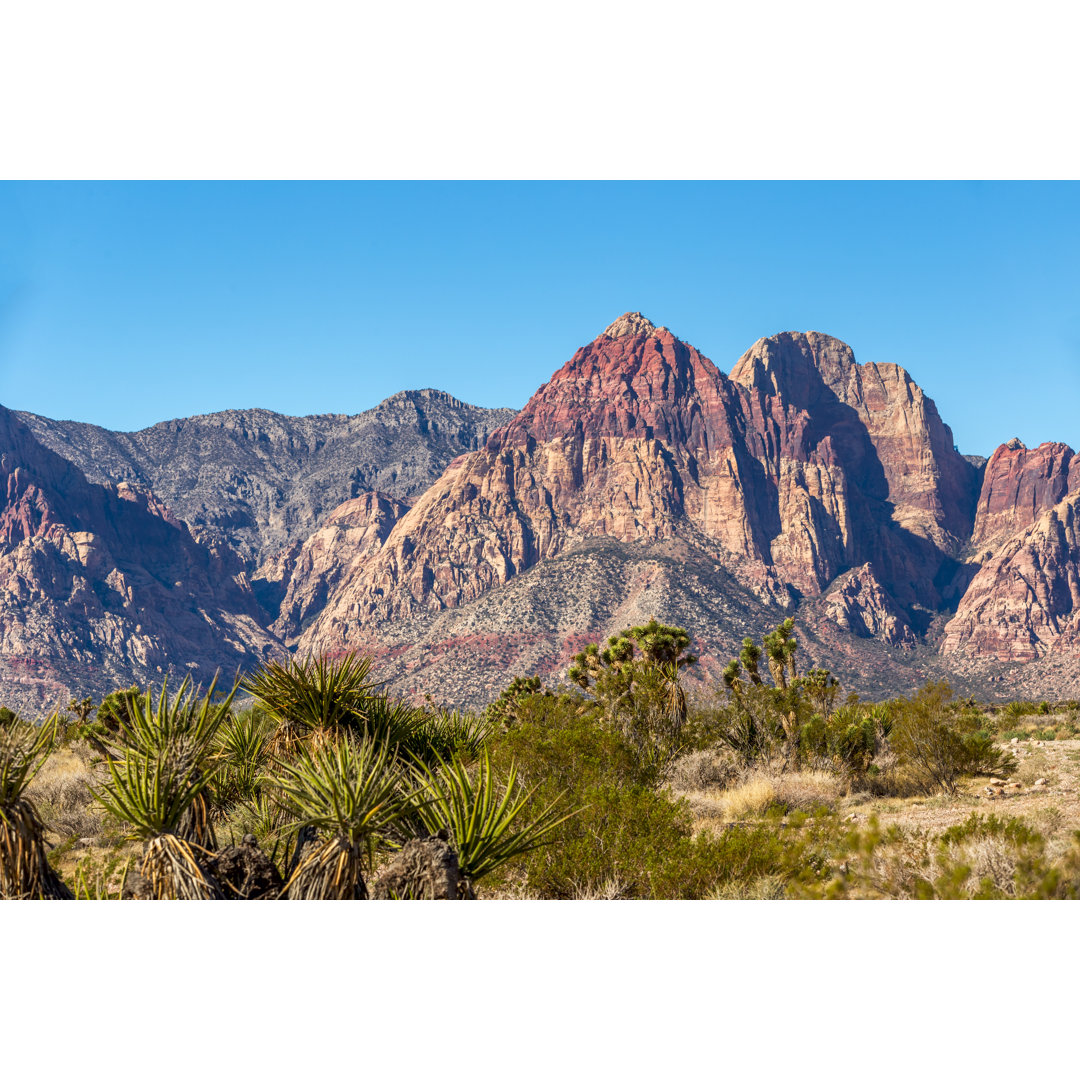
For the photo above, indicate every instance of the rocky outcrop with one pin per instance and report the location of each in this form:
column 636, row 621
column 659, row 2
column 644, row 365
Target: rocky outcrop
column 259, row 481
column 864, row 468
column 857, row 602
column 1025, row 600
column 640, row 438
column 350, row 534
column 1018, row 486
column 99, row 585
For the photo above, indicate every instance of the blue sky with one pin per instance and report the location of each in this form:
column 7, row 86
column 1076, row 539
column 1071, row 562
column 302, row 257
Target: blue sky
column 128, row 303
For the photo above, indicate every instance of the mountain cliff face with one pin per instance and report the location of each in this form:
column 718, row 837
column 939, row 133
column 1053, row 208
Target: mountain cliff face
column 100, row 584
column 465, row 546
column 799, row 469
column 1024, row 602
column 259, row 481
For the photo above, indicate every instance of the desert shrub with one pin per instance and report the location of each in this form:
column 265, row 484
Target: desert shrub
column 850, row 738
column 699, row 770
column 982, row 858
column 627, row 836
column 940, row 744
column 61, row 791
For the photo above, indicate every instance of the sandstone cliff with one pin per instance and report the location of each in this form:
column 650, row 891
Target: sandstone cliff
column 100, row 585
column 1024, row 602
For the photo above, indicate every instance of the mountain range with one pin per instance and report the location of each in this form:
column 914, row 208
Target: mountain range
column 462, row 546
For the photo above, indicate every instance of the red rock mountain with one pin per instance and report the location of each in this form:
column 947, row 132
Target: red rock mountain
column 798, row 468
column 100, row 585
column 639, row 481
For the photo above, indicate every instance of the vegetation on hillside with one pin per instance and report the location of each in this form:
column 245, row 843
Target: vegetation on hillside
column 309, row 781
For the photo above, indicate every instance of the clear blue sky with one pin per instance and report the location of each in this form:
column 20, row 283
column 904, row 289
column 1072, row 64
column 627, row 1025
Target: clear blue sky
column 128, row 303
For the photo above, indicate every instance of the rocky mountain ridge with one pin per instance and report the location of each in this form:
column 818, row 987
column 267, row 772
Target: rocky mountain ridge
column 464, row 546
column 259, row 481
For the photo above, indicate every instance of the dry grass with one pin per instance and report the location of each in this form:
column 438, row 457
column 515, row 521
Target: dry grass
column 750, row 799
column 807, row 790
column 61, row 792
column 700, row 771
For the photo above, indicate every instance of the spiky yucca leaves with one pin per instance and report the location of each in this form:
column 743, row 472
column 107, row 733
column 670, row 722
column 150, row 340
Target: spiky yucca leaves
column 179, row 733
column 25, row 873
column 486, row 821
column 313, row 699
column 241, row 753
column 348, row 793
column 446, row 735
column 158, row 787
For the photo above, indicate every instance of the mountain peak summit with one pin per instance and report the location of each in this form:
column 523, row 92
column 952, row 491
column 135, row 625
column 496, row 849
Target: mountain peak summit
column 632, row 324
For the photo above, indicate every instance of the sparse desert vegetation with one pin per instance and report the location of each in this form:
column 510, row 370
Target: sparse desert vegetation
column 308, row 781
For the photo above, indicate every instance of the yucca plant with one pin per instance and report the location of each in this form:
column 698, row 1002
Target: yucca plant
column 454, row 734
column 25, row 873
column 314, row 698
column 486, row 822
column 182, row 729
column 157, row 787
column 347, row 794
column 241, row 753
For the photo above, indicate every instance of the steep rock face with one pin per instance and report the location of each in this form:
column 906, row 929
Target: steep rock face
column 1025, row 600
column 864, row 468
column 99, row 584
column 355, row 530
column 858, row 603
column 1018, row 486
column 260, row 481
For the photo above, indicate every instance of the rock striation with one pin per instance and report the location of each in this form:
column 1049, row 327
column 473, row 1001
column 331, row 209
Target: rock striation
column 100, row 584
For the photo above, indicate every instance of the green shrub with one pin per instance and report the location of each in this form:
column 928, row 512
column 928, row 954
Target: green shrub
column 940, row 745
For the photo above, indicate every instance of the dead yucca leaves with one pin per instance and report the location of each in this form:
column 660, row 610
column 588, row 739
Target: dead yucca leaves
column 25, row 873
column 348, row 794
column 157, row 788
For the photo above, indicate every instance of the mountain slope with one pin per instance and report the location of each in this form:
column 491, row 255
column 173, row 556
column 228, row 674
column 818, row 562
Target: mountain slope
column 260, row 481
column 99, row 585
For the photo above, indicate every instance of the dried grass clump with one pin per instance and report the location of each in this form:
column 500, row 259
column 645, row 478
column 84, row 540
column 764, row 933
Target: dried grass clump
column 62, row 793
column 750, row 799
column 807, row 790
column 769, row 887
column 701, row 770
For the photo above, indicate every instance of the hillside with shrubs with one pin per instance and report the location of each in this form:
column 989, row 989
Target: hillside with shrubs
column 310, row 780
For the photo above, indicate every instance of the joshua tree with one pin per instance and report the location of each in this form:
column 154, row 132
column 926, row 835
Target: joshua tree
column 25, row 873
column 780, row 646
column 635, row 679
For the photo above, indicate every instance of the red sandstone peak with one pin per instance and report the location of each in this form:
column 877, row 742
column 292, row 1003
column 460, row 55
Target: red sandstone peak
column 633, row 380
column 1019, row 485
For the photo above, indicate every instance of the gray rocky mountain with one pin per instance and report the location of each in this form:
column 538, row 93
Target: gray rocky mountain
column 260, row 481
